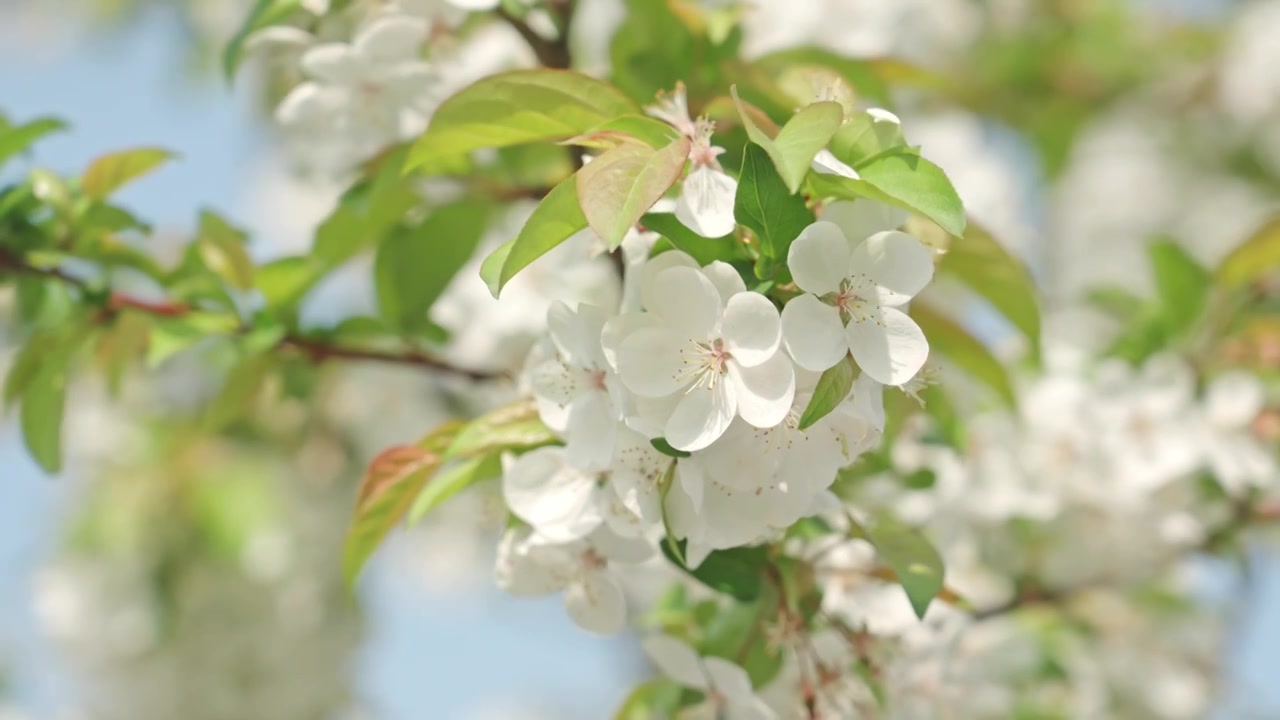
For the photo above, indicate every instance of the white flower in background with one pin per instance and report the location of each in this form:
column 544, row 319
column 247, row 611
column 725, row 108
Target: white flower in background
column 1146, row 422
column 365, row 94
column 729, row 695
column 851, row 300
column 578, row 395
column 580, row 569
column 448, row 12
column 712, row 355
column 1237, row 458
column 705, row 202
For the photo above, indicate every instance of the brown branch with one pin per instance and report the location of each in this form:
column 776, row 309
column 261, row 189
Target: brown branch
column 315, row 349
column 550, row 53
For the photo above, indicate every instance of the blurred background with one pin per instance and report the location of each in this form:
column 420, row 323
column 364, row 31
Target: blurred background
column 1075, row 129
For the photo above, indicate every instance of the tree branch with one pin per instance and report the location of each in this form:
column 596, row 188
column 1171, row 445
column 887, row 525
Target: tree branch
column 315, row 349
column 550, row 53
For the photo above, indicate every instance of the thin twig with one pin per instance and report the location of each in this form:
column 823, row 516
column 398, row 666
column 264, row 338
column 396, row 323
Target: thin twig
column 315, row 349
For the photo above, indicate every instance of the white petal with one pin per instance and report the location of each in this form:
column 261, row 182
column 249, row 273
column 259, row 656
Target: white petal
column 475, row 4
column 1234, row 399
column 310, row 103
column 649, row 288
column 391, row 37
column 702, row 416
column 278, row 37
column 618, row 328
column 765, row 392
column 705, row 204
column 518, row 573
column 676, row 660
column 863, row 218
column 731, row 680
column 813, row 332
column 597, row 604
column 751, row 328
column 554, row 381
column 559, row 501
column 616, row 548
column 576, row 333
column 819, row 258
column 898, row 264
column 888, row 345
column 687, row 302
column 593, row 425
column 868, row 401
column 725, row 278
column 826, row 163
column 749, row 707
column 334, row 63
column 650, row 362
column 693, row 481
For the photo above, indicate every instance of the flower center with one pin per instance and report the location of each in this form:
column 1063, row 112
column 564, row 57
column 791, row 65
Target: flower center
column 705, row 363
column 596, row 379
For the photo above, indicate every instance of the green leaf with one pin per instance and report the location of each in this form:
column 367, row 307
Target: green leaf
column 263, row 14
column 654, row 133
column 491, row 268
column 450, row 482
column 18, row 139
column 512, row 427
column 621, row 184
column 284, row 282
column 659, row 698
column 557, row 218
column 172, row 335
column 221, row 247
column 415, row 265
column 737, row 633
column 705, row 250
column 366, row 212
column 1121, row 304
column 664, row 447
column 518, row 107
column 982, row 264
column 955, row 343
column 238, row 392
column 738, row 572
column 43, row 402
column 912, row 557
column 390, row 485
column 833, row 387
column 652, row 50
column 903, row 179
column 1182, row 284
column 865, row 137
column 1255, row 258
column 672, row 549
column 799, row 140
column 112, row 171
column 764, row 204
column 28, row 361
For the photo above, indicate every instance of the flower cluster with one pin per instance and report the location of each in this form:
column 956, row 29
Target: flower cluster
column 680, row 414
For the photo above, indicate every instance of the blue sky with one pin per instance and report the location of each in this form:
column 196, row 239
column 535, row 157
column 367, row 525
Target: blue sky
column 449, row 654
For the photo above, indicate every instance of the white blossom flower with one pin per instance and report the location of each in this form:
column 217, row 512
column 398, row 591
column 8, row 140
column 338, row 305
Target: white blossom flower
column 578, row 394
column 527, row 566
column 705, row 202
column 706, row 347
column 726, row 685
column 563, row 502
column 1236, row 457
column 851, row 300
column 366, row 94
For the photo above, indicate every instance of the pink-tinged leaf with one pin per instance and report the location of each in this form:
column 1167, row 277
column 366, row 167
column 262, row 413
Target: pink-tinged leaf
column 620, row 185
column 390, row 484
